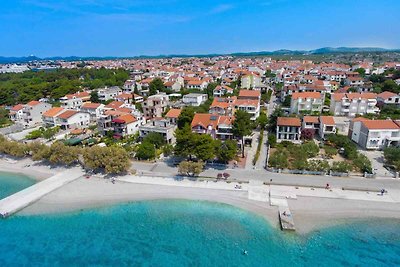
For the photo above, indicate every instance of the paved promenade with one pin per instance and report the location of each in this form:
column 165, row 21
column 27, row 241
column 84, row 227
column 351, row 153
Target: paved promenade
column 21, row 199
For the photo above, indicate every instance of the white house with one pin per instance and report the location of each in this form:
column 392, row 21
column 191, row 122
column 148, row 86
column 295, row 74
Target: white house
column 93, row 109
column 374, row 134
column 71, row 119
column 194, row 99
column 288, row 129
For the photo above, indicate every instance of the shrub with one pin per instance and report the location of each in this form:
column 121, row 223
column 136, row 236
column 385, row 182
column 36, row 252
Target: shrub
column 341, row 166
column 279, row 159
column 330, row 152
column 272, row 140
column 362, row 163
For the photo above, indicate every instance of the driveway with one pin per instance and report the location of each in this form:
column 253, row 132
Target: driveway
column 377, row 161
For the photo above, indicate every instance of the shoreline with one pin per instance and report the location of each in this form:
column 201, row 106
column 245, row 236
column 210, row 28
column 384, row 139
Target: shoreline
column 310, row 213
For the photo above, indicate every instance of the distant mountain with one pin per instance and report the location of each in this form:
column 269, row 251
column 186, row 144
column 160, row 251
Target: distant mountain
column 323, row 50
column 330, row 50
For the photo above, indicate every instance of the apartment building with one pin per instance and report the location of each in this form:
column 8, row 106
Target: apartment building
column 125, row 125
column 374, row 134
column 93, row 109
column 74, row 101
column 288, row 129
column 155, row 105
column 108, row 93
column 32, row 113
column 251, row 81
column 161, row 126
column 352, row 104
column 173, row 115
column 311, row 102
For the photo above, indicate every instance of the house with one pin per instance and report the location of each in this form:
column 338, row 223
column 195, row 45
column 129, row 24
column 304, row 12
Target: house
column 137, row 98
column 194, row 100
column 352, row 104
column 16, row 112
column 374, row 134
column 250, row 106
column 310, row 123
column 155, row 105
column 125, row 97
column 125, row 125
column 72, row 119
column 222, row 90
column 219, row 127
column 175, row 86
column 223, row 106
column 32, row 113
column 173, row 115
column 306, row 102
column 161, row 126
column 288, row 129
column 388, row 98
column 93, row 109
column 104, row 122
column 197, row 84
column 74, row 101
column 327, row 126
column 354, row 81
column 108, row 93
column 49, row 117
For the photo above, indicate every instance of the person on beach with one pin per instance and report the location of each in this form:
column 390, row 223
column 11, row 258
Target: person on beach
column 327, row 187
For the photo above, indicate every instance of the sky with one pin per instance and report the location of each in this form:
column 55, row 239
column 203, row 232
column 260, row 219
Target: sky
column 138, row 27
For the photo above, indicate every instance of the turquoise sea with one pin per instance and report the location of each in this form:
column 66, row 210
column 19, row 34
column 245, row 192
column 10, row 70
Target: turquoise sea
column 11, row 183
column 185, row 233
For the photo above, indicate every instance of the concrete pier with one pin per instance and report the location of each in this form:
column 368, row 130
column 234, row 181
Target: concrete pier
column 24, row 198
column 286, row 219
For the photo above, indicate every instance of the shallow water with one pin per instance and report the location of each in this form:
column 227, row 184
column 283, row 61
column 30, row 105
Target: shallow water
column 188, row 233
column 11, row 183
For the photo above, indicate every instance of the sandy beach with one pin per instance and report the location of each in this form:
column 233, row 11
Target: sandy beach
column 309, row 213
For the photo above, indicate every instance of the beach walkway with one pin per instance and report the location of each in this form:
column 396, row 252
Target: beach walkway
column 24, row 198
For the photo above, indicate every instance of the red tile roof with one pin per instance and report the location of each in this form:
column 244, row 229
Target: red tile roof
column 249, row 93
column 315, row 95
column 53, row 112
column 173, row 113
column 311, row 119
column 287, row 121
column 328, row 120
column 380, row 124
column 67, row 114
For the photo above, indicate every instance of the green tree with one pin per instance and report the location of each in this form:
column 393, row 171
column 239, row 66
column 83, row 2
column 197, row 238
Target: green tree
column 262, row 120
column 242, row 126
column 185, row 117
column 225, row 151
column 360, row 71
column 185, row 142
column 154, row 138
column 362, row 163
column 190, row 168
column 156, row 85
column 62, row 154
column 146, row 151
column 94, row 97
column 204, row 147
